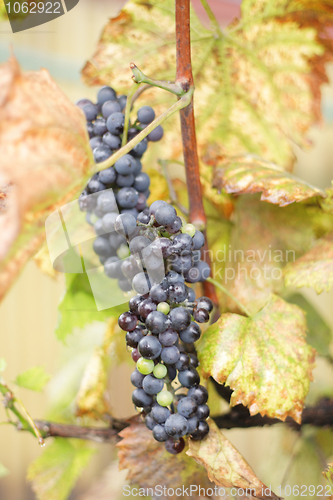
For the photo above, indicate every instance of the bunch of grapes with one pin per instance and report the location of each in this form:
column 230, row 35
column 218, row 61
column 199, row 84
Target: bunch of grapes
column 123, row 188
column 162, row 323
column 154, row 252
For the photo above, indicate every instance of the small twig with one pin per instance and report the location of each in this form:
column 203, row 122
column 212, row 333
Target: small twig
column 134, row 88
column 224, row 290
column 140, row 77
column 172, row 192
column 140, row 91
column 180, row 104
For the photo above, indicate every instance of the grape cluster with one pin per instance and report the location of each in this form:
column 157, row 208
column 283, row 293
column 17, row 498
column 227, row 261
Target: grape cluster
column 123, row 188
column 162, row 323
column 154, row 252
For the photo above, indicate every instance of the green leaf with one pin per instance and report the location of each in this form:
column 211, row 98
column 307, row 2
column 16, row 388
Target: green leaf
column 319, row 334
column 55, row 472
column 315, row 268
column 3, row 471
column 249, row 174
column 35, row 379
column 264, row 70
column 78, row 307
column 263, row 358
column 3, row 364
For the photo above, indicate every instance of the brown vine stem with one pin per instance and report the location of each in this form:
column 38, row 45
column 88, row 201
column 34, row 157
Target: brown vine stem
column 184, row 78
column 238, row 417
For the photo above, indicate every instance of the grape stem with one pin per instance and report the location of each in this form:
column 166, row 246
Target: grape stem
column 129, row 101
column 140, row 77
column 25, row 421
column 184, row 77
column 172, row 192
column 224, row 290
column 180, row 104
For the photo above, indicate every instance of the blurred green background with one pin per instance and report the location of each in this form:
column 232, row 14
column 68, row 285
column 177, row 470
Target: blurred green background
column 28, row 314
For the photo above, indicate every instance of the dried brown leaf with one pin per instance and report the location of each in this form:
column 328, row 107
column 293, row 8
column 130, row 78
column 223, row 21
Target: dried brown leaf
column 225, row 465
column 45, row 157
column 150, row 465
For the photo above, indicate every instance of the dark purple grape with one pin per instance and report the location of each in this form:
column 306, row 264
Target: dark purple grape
column 189, row 377
column 150, row 422
column 134, row 337
column 183, row 362
column 106, row 93
column 180, row 318
column 201, row 315
column 150, row 347
column 191, row 334
column 146, row 307
column 187, row 407
column 146, row 114
column 203, row 412
column 199, row 393
column 176, row 426
column 168, row 338
column 157, row 322
column 152, row 385
column 135, row 302
column 170, row 355
column 174, row 447
column 177, row 292
column 140, row 398
column 175, row 226
column 137, row 379
column 160, row 413
column 201, row 432
column 127, row 321
column 156, row 134
column 159, row 433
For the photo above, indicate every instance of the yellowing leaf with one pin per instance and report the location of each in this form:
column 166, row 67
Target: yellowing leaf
column 54, row 473
column 264, row 238
column 252, row 175
column 264, row 70
column 315, row 268
column 225, row 465
column 45, row 159
column 264, row 359
column 150, row 465
column 35, row 379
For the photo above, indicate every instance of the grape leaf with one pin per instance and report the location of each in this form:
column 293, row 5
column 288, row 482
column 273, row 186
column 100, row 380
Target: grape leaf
column 90, row 399
column 3, row 471
column 249, row 174
column 150, row 465
column 45, row 160
column 254, row 264
column 319, row 334
column 225, row 465
column 315, row 268
column 264, row 70
column 35, row 379
column 263, row 358
column 54, row 473
column 78, row 306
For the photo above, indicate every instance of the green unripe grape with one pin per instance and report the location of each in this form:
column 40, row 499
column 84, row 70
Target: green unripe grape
column 163, row 307
column 189, row 229
column 160, row 371
column 123, row 252
column 145, row 366
column 164, row 398
column 184, row 222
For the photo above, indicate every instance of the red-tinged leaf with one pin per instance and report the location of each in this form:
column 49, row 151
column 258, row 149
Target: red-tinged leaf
column 249, row 174
column 45, row 159
column 225, row 465
column 315, row 268
column 263, row 358
column 150, row 465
